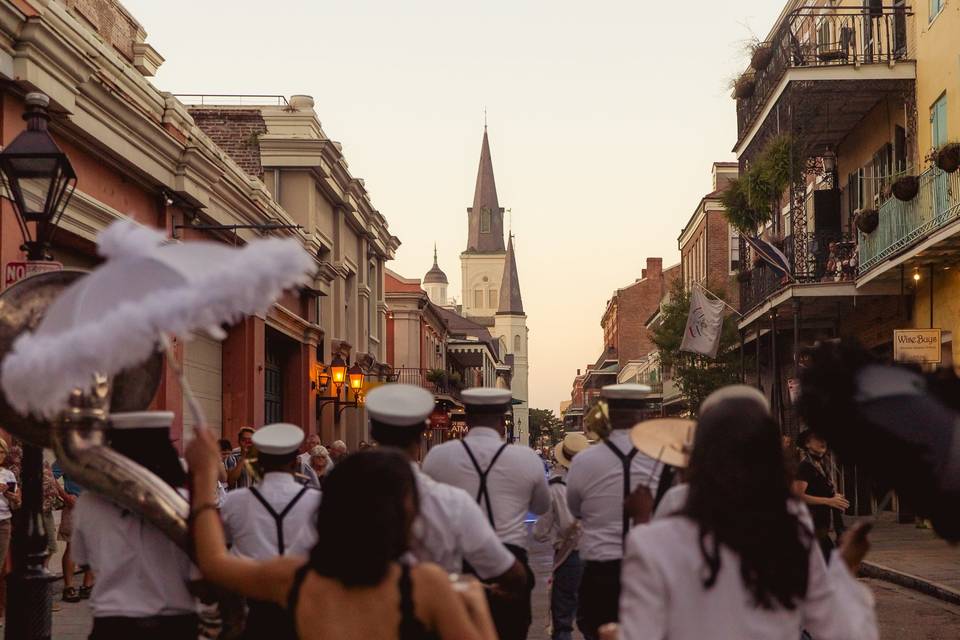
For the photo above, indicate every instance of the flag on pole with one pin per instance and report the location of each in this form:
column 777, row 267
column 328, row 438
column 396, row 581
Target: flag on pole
column 771, row 255
column 704, row 324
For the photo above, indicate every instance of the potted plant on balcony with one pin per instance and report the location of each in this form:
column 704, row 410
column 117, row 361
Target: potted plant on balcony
column 744, row 86
column 948, row 157
column 761, row 55
column 436, row 377
column 867, row 220
column 905, row 188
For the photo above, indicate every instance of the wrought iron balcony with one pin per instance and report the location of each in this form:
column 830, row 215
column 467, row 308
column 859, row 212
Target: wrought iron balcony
column 427, row 379
column 904, row 224
column 812, row 37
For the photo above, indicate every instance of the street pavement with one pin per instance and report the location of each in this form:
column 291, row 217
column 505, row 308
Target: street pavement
column 918, row 552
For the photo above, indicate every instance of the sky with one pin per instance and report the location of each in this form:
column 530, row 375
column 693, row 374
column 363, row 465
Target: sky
column 604, row 119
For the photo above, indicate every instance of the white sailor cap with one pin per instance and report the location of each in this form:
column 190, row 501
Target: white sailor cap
column 278, row 439
column 486, row 399
column 735, row 392
column 399, row 405
column 628, row 391
column 141, row 420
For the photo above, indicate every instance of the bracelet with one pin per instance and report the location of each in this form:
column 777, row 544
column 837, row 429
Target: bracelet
column 194, row 512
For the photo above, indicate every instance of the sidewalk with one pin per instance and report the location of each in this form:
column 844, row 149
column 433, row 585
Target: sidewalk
column 914, row 558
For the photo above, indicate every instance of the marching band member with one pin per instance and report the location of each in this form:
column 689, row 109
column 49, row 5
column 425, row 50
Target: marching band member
column 507, row 480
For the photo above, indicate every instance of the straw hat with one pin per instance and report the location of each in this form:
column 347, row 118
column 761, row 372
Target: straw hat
column 665, row 439
column 572, row 444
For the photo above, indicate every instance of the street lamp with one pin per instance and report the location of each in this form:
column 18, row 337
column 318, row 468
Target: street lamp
column 338, row 372
column 356, row 376
column 342, row 376
column 33, row 166
column 323, row 377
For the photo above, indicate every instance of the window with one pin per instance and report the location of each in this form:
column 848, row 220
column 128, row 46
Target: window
column 478, row 298
column 938, row 122
column 494, row 299
column 936, row 6
column 485, row 220
column 734, row 250
column 516, row 344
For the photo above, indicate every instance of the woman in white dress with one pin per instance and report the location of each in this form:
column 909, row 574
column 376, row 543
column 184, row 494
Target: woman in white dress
column 739, row 560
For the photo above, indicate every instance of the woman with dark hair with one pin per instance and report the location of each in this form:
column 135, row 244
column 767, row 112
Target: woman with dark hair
column 355, row 584
column 739, row 560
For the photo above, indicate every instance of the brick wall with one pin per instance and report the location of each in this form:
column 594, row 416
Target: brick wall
column 237, row 132
column 705, row 257
column 635, row 305
column 110, row 21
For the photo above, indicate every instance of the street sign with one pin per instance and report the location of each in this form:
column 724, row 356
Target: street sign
column 13, row 272
column 917, row 345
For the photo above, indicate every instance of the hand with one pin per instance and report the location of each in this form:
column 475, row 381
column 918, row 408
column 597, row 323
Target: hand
column 70, row 500
column 854, row 545
column 639, row 505
column 471, row 592
column 609, row 631
column 838, row 502
column 203, row 454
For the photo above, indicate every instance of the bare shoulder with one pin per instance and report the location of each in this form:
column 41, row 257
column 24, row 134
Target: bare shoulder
column 430, row 575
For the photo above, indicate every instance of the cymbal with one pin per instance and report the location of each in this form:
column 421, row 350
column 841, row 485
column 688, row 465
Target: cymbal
column 665, row 439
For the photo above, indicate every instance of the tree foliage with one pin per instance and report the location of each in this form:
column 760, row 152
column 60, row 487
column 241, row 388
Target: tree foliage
column 754, row 198
column 545, row 422
column 696, row 376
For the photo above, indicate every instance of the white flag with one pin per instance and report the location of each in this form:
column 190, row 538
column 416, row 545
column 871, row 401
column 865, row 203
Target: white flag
column 704, row 324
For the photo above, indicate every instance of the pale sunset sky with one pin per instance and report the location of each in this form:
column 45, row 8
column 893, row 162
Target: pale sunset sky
column 604, row 118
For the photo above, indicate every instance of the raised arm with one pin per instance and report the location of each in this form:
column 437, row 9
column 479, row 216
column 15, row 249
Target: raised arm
column 268, row 580
column 454, row 615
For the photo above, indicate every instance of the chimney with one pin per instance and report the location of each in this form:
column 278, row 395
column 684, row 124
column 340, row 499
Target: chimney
column 578, row 372
column 643, row 274
column 654, row 268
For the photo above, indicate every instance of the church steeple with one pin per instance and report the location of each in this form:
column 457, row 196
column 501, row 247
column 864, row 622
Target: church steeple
column 511, row 302
column 485, row 217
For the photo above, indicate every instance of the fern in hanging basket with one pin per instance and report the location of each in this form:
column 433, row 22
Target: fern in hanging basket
column 948, row 157
column 905, row 188
column 744, row 86
column 761, row 55
column 780, row 164
column 738, row 210
column 867, row 220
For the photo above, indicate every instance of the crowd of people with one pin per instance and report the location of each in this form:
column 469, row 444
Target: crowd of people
column 735, row 541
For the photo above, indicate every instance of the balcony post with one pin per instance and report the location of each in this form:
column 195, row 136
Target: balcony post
column 796, row 338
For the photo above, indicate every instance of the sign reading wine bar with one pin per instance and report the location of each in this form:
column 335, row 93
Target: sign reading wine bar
column 917, row 345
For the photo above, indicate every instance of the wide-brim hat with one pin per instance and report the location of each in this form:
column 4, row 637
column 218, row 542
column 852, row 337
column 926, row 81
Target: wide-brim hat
column 665, row 439
column 571, row 445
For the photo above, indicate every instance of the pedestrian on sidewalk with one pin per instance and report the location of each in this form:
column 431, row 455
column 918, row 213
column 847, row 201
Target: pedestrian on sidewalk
column 815, row 484
column 267, row 520
column 73, row 491
column 320, row 463
column 142, row 589
column 508, row 482
column 10, row 500
column 562, row 531
column 355, row 582
column 740, row 560
column 600, row 481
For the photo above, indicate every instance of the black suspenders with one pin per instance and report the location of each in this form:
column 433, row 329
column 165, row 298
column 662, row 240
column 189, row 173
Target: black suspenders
column 278, row 517
column 482, row 492
column 626, row 460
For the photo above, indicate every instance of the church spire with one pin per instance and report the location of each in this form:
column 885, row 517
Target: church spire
column 485, row 219
column 511, row 303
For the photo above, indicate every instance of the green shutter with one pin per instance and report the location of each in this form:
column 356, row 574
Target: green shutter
column 938, row 122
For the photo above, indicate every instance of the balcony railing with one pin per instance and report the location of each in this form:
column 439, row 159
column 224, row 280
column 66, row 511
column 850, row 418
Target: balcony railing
column 420, row 378
column 819, row 36
column 903, row 224
column 823, row 256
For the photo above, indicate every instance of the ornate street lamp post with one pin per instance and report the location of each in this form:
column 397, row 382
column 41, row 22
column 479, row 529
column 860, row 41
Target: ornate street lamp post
column 39, row 181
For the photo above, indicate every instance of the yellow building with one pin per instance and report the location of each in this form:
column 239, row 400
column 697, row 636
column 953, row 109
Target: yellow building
column 867, row 92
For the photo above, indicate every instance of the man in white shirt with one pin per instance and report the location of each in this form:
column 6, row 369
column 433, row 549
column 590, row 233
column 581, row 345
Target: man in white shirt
column 268, row 519
column 142, row 575
column 598, row 484
column 562, row 530
column 507, row 482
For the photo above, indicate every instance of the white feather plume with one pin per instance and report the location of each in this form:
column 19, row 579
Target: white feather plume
column 41, row 371
column 126, row 238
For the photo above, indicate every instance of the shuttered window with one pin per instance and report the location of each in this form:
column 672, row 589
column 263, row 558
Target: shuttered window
column 938, row 122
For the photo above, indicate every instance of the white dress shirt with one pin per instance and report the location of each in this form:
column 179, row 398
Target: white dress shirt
column 140, row 571
column 252, row 530
column 672, row 501
column 516, row 483
column 663, row 597
column 452, row 528
column 595, row 494
column 558, row 526
column 6, row 476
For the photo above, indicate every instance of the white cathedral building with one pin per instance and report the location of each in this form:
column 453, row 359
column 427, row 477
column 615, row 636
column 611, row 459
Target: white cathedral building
column 490, row 294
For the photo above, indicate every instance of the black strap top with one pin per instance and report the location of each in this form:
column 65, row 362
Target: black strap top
column 411, row 627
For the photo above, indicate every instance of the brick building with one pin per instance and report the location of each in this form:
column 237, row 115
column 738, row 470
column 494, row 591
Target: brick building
column 625, row 318
column 709, row 245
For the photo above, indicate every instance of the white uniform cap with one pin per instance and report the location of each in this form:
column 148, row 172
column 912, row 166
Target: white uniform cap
column 486, row 397
column 278, row 439
column 735, row 392
column 141, row 420
column 399, row 405
column 628, row 391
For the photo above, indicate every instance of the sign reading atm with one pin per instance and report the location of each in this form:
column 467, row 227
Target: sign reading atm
column 917, row 345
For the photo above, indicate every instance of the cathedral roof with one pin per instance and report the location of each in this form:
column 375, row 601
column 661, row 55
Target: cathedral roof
column 486, row 215
column 511, row 303
column 436, row 274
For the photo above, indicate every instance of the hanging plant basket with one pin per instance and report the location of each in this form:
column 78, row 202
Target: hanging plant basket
column 948, row 157
column 744, row 87
column 905, row 188
column 762, row 56
column 867, row 220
